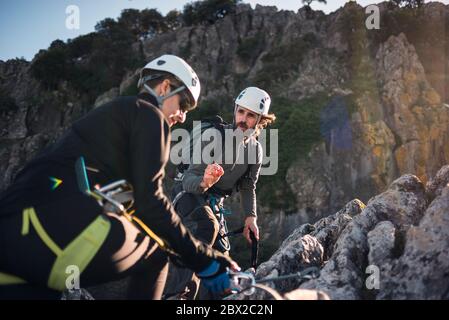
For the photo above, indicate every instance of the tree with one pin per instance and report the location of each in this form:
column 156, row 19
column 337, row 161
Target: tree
column 57, row 44
column 51, row 65
column 81, row 45
column 207, row 11
column 409, row 3
column 130, row 19
column 106, row 26
column 308, row 2
column 141, row 24
column 173, row 20
column 309, row 12
column 152, row 22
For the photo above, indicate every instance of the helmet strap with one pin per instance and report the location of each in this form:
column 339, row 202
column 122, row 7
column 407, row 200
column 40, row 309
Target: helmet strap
column 160, row 99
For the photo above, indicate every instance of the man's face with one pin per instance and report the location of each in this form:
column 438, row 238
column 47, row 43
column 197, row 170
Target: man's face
column 245, row 119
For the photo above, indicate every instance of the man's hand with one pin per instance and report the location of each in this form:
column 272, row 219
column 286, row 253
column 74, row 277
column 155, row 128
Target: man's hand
column 212, row 174
column 251, row 224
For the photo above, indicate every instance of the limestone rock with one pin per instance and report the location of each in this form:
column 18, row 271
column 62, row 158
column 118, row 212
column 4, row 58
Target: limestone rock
column 435, row 186
column 422, row 270
column 381, row 242
column 343, row 276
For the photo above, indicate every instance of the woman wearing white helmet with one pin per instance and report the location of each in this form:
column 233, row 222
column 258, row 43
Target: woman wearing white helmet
column 47, row 227
column 171, row 81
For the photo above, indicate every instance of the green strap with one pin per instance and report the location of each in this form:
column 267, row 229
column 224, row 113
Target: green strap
column 30, row 214
column 8, row 279
column 78, row 253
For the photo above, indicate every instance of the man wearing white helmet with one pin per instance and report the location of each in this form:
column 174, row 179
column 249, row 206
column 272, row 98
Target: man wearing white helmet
column 205, row 181
column 49, row 220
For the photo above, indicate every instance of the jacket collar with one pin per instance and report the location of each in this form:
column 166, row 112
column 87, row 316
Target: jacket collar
column 146, row 98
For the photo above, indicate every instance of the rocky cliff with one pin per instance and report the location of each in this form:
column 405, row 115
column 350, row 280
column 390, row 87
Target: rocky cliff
column 395, row 247
column 401, row 127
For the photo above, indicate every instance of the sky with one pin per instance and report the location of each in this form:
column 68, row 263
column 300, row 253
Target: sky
column 26, row 26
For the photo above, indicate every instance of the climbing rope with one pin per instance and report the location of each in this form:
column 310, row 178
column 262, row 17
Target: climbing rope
column 247, row 284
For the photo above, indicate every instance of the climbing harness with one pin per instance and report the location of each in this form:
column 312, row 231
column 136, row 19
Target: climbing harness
column 215, row 202
column 117, row 197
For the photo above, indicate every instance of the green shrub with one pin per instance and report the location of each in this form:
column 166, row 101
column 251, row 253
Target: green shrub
column 51, row 66
column 200, row 12
column 409, row 3
column 93, row 63
column 81, row 46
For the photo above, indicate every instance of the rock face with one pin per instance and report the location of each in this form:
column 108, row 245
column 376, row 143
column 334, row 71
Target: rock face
column 421, row 272
column 401, row 127
column 307, row 246
column 394, row 248
column 435, row 186
column 381, row 243
column 411, row 105
column 36, row 118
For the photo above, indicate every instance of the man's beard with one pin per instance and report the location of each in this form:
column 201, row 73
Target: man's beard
column 242, row 125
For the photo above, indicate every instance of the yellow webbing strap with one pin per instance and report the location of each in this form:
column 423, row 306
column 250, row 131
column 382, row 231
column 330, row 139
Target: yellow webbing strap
column 150, row 233
column 8, row 279
column 30, row 214
column 78, row 253
column 162, row 244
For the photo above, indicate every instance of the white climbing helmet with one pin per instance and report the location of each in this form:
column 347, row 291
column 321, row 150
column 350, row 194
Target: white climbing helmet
column 254, row 99
column 179, row 68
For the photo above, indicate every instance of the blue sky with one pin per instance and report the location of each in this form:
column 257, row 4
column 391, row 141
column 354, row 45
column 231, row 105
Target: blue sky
column 26, row 26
